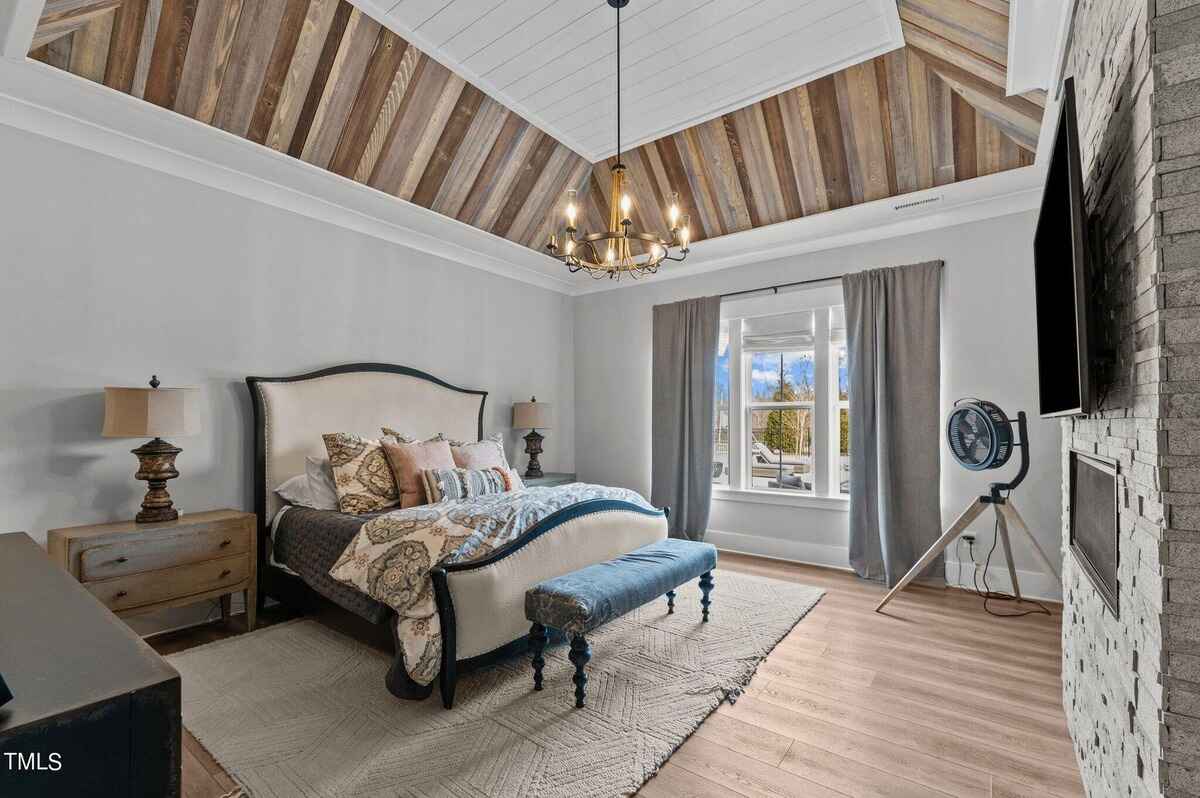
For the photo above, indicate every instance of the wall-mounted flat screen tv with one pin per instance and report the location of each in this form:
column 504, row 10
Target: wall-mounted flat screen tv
column 1062, row 277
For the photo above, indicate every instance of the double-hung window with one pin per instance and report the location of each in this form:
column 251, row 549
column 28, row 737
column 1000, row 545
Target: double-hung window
column 782, row 391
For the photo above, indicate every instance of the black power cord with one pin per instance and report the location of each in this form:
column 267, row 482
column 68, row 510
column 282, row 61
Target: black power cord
column 987, row 594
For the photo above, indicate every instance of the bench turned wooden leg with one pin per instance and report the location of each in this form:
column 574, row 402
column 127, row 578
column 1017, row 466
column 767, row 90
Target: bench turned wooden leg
column 706, row 586
column 537, row 643
column 670, row 602
column 581, row 652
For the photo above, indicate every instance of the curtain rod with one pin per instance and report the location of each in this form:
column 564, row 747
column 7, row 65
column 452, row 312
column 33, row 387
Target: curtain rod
column 776, row 288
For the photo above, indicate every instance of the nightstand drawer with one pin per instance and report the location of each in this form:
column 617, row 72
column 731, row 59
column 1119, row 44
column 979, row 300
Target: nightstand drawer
column 136, row 590
column 153, row 552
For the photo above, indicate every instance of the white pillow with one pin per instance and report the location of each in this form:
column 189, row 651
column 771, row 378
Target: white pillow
column 320, row 483
column 295, row 491
column 314, row 488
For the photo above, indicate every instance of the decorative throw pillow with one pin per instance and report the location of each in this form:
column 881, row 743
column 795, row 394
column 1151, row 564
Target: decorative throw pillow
column 409, row 459
column 487, row 453
column 447, row 484
column 361, row 474
column 404, row 438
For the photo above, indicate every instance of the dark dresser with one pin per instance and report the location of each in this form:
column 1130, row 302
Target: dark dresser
column 95, row 711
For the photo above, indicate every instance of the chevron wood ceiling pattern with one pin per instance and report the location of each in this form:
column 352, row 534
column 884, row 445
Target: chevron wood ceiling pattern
column 323, row 82
column 931, row 113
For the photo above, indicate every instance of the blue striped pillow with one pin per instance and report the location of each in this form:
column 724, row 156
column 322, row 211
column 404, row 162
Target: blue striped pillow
column 448, row 484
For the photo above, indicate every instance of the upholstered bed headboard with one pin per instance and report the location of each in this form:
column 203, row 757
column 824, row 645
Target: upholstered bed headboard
column 292, row 413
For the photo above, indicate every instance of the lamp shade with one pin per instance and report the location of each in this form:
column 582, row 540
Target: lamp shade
column 532, row 414
column 148, row 412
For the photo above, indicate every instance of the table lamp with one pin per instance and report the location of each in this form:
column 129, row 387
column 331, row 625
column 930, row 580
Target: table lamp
column 532, row 415
column 151, row 412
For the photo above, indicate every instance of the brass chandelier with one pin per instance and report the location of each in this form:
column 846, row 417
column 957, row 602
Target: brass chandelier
column 611, row 253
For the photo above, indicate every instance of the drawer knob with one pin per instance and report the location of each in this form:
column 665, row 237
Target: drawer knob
column 121, row 559
column 121, row 594
column 226, row 573
column 225, row 542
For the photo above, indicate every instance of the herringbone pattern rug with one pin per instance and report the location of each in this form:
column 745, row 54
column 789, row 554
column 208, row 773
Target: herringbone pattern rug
column 300, row 711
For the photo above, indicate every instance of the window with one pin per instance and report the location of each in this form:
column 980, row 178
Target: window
column 837, row 340
column 721, row 427
column 782, row 395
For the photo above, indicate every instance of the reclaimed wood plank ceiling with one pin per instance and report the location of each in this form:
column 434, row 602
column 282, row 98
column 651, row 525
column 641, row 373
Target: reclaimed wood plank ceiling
column 327, row 84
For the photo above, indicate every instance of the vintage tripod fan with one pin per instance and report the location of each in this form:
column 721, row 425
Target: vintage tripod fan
column 981, row 438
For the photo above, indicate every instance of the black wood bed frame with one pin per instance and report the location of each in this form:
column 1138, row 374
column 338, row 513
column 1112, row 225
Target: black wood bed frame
column 293, row 592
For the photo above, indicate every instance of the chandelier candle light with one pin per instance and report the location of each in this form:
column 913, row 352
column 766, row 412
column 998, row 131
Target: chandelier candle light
column 611, row 253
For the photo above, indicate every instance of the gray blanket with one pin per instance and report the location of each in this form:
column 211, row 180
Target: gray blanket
column 310, row 541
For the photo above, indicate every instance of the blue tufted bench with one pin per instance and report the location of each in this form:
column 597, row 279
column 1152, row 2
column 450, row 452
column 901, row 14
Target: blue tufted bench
column 584, row 600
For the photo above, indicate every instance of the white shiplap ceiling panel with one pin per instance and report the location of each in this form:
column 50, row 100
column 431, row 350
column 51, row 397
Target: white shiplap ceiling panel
column 683, row 61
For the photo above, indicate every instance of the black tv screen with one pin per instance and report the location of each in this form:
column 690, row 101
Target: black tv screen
column 1061, row 277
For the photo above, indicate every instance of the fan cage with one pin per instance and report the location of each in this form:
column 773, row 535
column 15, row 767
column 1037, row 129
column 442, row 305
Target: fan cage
column 999, row 431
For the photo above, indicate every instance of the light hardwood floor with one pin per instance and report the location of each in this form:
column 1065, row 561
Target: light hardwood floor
column 935, row 698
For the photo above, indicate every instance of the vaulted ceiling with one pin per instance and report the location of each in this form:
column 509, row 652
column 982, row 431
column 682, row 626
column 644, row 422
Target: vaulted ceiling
column 931, row 113
column 323, row 82
column 683, row 61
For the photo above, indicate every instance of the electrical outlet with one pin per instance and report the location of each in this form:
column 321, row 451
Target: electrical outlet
column 969, row 538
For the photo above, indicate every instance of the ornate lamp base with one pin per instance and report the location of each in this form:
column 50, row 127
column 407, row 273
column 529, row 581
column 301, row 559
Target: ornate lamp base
column 156, row 464
column 533, row 447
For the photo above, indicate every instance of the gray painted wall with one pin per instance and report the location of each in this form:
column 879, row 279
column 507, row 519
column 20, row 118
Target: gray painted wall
column 988, row 350
column 112, row 272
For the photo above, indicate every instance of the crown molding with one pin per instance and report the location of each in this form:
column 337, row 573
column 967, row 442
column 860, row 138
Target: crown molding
column 18, row 21
column 1001, row 194
column 55, row 104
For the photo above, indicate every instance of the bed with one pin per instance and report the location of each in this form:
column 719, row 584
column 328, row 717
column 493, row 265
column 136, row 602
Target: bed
column 479, row 601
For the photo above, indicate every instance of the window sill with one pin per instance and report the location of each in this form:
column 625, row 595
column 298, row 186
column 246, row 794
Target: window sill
column 837, row 503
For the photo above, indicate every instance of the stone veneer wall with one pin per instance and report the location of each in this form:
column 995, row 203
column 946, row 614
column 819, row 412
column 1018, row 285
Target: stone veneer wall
column 1131, row 685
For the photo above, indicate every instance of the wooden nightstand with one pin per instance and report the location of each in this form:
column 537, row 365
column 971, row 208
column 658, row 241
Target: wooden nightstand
column 136, row 568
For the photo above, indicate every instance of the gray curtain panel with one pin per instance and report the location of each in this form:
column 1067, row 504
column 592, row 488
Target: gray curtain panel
column 685, row 363
column 892, row 329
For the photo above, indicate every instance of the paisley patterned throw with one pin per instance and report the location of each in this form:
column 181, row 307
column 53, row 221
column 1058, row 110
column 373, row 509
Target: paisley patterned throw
column 391, row 556
column 361, row 474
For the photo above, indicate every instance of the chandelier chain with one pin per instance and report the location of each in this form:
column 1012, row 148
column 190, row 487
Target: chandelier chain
column 618, row 84
column 610, row 252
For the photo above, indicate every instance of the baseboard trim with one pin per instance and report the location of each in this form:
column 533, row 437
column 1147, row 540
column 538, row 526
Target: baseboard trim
column 1034, row 584
column 779, row 549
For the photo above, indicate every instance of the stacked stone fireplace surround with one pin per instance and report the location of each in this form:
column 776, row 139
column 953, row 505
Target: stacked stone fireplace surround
column 1131, row 684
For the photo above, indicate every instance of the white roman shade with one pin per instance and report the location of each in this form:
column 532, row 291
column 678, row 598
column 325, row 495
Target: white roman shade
column 784, row 332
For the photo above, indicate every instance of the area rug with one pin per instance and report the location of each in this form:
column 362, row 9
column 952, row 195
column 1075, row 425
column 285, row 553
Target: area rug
column 298, row 710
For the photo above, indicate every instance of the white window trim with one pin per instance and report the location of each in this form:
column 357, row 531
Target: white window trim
column 839, row 502
column 826, row 493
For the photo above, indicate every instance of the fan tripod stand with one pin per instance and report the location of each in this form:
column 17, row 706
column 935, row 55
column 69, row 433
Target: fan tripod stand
column 1006, row 513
